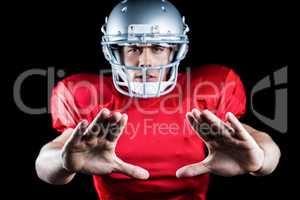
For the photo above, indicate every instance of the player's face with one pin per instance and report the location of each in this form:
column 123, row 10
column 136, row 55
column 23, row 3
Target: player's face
column 146, row 56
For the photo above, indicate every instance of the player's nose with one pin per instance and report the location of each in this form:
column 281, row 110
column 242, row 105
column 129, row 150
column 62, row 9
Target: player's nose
column 145, row 58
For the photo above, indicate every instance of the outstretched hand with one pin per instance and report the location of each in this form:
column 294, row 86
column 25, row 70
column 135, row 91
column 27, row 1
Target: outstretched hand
column 91, row 148
column 232, row 150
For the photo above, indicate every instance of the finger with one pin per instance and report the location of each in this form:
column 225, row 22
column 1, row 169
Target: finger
column 117, row 129
column 131, row 170
column 191, row 119
column 219, row 128
column 193, row 122
column 192, row 170
column 97, row 125
column 197, row 115
column 115, row 117
column 241, row 132
column 78, row 132
column 202, row 129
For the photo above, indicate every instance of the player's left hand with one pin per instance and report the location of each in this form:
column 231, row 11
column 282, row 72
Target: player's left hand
column 231, row 148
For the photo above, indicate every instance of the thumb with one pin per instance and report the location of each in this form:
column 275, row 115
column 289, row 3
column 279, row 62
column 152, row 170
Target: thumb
column 191, row 170
column 132, row 170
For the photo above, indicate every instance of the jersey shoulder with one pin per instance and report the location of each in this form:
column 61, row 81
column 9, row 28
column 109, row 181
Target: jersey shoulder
column 219, row 89
column 80, row 96
column 88, row 87
column 213, row 72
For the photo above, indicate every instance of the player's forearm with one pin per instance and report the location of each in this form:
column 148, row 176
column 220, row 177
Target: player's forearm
column 49, row 166
column 271, row 155
column 271, row 151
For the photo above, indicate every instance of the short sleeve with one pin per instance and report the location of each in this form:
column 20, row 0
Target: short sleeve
column 233, row 97
column 218, row 89
column 62, row 108
column 79, row 97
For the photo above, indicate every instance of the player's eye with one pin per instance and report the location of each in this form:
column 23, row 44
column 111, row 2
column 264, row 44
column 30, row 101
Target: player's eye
column 133, row 49
column 158, row 49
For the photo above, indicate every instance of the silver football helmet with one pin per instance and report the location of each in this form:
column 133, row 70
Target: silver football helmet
column 144, row 22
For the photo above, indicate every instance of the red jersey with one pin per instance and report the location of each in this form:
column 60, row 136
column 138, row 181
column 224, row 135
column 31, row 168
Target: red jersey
column 157, row 136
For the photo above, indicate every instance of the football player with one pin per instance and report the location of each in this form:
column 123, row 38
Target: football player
column 150, row 131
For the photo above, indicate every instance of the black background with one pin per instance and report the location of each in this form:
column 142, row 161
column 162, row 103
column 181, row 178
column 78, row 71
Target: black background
column 251, row 38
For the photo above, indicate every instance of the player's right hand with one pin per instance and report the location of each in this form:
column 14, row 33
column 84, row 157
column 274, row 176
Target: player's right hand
column 91, row 148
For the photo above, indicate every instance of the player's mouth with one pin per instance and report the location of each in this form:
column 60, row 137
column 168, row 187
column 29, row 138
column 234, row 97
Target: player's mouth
column 149, row 78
